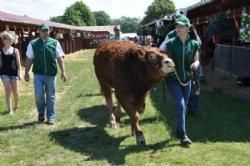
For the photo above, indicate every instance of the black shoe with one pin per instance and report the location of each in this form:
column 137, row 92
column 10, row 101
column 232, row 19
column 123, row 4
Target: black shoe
column 41, row 117
column 191, row 112
column 178, row 136
column 185, row 141
column 51, row 122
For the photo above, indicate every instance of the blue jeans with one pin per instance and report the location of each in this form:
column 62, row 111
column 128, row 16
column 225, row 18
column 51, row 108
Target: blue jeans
column 45, row 95
column 180, row 96
column 193, row 102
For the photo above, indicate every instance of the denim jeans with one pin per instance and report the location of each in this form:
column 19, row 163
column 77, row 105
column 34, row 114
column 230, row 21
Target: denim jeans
column 193, row 102
column 180, row 95
column 45, row 95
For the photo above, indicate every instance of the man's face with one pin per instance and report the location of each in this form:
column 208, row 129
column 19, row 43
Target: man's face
column 181, row 29
column 44, row 34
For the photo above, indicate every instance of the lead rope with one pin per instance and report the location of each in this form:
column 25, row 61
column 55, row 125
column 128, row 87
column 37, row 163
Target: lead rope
column 178, row 78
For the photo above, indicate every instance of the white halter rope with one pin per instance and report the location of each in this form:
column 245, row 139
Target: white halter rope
column 178, row 78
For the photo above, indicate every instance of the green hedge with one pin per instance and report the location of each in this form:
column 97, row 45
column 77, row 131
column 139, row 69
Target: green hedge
column 245, row 27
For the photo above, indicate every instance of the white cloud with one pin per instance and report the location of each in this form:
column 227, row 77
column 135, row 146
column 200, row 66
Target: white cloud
column 44, row 9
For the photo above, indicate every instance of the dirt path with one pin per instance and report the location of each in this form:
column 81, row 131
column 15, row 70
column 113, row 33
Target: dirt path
column 218, row 81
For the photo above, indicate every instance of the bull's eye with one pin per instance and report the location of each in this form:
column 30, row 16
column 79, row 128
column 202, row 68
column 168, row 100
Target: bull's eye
column 152, row 57
column 166, row 62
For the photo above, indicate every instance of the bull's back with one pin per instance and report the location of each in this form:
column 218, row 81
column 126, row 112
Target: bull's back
column 106, row 55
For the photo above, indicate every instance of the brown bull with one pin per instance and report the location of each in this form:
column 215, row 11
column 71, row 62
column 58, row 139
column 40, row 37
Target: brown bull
column 130, row 70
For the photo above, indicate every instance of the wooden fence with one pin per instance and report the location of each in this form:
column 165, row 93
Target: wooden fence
column 233, row 59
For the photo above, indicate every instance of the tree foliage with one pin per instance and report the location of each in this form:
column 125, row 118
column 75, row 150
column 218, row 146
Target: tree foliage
column 102, row 18
column 77, row 14
column 128, row 24
column 59, row 19
column 158, row 9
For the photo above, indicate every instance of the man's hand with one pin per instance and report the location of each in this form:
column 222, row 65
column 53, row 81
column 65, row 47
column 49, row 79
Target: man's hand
column 64, row 76
column 195, row 65
column 26, row 77
column 28, row 65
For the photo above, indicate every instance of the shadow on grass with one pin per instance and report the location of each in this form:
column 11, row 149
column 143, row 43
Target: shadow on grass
column 94, row 141
column 89, row 95
column 21, row 126
column 221, row 118
column 4, row 113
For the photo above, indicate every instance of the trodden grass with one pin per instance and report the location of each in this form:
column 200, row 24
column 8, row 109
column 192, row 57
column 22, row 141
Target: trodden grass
column 221, row 132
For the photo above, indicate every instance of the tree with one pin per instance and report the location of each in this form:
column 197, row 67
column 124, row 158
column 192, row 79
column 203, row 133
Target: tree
column 128, row 24
column 59, row 19
column 102, row 18
column 79, row 14
column 158, row 9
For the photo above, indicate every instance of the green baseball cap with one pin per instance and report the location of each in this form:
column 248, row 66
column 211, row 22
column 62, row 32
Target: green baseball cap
column 44, row 27
column 182, row 20
column 178, row 15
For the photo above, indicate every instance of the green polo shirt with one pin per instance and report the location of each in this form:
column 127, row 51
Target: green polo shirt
column 115, row 38
column 183, row 56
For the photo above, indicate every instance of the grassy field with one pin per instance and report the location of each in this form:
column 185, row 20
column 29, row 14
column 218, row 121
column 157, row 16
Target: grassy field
column 221, row 132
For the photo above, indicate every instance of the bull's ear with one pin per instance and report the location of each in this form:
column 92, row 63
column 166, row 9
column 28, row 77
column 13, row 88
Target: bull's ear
column 141, row 54
column 138, row 52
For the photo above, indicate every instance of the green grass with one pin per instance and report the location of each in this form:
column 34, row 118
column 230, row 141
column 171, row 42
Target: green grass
column 221, row 132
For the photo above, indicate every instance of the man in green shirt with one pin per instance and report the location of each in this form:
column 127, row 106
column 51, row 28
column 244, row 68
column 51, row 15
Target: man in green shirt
column 184, row 52
column 45, row 53
column 117, row 34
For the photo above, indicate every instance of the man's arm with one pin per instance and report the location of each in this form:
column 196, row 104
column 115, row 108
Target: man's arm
column 29, row 61
column 163, row 46
column 61, row 65
column 28, row 64
column 196, row 63
column 60, row 61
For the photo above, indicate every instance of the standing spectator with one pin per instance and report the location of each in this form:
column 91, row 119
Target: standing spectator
column 10, row 69
column 149, row 42
column 117, row 34
column 44, row 53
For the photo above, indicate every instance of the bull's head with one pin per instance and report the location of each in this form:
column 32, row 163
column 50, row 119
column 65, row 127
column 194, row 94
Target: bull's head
column 156, row 60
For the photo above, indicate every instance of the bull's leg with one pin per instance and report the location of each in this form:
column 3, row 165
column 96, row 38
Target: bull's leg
column 135, row 127
column 118, row 112
column 109, row 104
column 107, row 92
column 132, row 111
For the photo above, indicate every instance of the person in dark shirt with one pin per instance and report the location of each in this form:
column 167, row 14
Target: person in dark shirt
column 10, row 69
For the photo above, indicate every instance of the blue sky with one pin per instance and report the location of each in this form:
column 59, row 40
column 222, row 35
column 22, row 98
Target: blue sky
column 43, row 9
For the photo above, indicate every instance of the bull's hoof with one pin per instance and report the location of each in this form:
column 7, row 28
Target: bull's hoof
column 117, row 114
column 113, row 124
column 140, row 139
